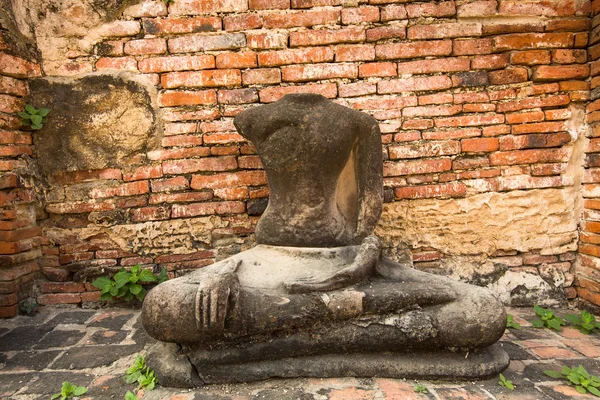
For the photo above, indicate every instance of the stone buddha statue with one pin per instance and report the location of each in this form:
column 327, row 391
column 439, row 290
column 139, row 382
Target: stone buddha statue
column 315, row 297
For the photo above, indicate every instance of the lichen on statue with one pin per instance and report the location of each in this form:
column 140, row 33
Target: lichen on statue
column 316, row 283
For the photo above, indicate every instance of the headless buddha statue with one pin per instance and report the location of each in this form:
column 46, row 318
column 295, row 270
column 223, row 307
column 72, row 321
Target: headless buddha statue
column 315, row 288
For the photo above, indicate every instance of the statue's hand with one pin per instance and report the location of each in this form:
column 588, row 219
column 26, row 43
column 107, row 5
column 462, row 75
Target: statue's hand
column 362, row 267
column 217, row 298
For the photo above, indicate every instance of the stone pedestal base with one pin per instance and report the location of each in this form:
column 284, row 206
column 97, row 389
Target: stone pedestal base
column 173, row 367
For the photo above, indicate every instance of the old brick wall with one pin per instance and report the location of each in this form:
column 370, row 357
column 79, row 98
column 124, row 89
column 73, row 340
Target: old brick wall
column 19, row 234
column 588, row 269
column 482, row 105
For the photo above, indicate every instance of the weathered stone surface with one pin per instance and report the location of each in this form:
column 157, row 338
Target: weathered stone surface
column 541, row 219
column 181, row 236
column 96, row 122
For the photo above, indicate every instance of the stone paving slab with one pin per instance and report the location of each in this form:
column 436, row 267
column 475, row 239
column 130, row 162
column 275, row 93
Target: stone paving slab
column 93, row 348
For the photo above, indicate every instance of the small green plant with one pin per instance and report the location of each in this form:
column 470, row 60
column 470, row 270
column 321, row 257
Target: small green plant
column 511, row 324
column 141, row 374
column 420, row 389
column 585, row 322
column 34, row 117
column 546, row 319
column 506, row 383
column 28, row 308
column 128, row 284
column 578, row 377
column 130, row 396
column 68, row 391
column 167, row 2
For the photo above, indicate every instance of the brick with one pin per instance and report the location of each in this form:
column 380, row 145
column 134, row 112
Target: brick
column 386, row 32
column 11, row 104
column 564, row 56
column 13, row 86
column 384, row 102
column 203, row 164
column 261, row 76
column 242, row 22
column 196, row 7
column 323, row 37
column 547, row 169
column 315, row 3
column 171, row 98
column 479, row 145
column 414, row 84
column 441, row 9
column 223, row 138
column 182, row 141
column 147, row 214
column 482, row 8
column 532, row 57
column 393, row 12
column 145, row 172
column 560, row 72
column 424, row 149
column 231, row 193
column 123, row 63
column 296, row 56
column 523, row 117
column 301, row 18
column 568, row 25
column 157, row 198
column 507, row 76
column 355, row 52
column 209, row 208
column 413, row 50
column 237, row 96
column 313, row 72
column 438, row 98
column 469, row 120
column 170, row 184
column 452, row 134
column 534, row 102
column 522, row 41
column 429, row 191
column 231, row 179
column 548, row 9
column 147, row 8
column 442, row 31
column 268, row 95
column 357, row 89
column 194, row 43
column 181, row 25
column 146, row 46
column 176, row 63
column 472, row 46
column 470, row 79
column 70, row 177
column 236, row 60
column 360, row 14
column 377, row 69
column 125, row 189
column 269, row 40
column 269, row 4
column 416, row 167
column 119, row 29
column 494, row 61
column 542, row 127
column 62, row 287
column 528, row 157
column 431, row 111
column 432, row 66
column 206, row 78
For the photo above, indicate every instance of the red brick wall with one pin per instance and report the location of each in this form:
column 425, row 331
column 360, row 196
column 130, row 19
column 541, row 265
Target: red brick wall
column 588, row 270
column 472, row 97
column 19, row 234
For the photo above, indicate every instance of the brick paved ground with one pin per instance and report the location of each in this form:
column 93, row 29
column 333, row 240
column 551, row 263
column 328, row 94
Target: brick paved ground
column 95, row 347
